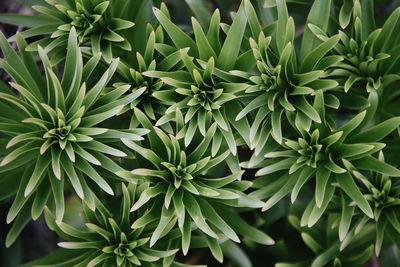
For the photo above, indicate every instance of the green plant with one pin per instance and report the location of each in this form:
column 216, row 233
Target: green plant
column 95, row 21
column 108, row 238
column 185, row 138
column 57, row 140
column 181, row 188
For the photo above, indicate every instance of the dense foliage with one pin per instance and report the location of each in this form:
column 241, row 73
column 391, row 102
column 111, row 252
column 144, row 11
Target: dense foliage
column 275, row 132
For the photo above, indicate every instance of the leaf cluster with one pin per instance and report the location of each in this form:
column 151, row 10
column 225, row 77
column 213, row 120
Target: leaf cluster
column 170, row 136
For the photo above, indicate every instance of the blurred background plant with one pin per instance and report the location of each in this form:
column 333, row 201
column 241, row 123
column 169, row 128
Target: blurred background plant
column 296, row 244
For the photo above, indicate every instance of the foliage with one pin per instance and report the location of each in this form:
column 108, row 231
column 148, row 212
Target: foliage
column 108, row 239
column 185, row 136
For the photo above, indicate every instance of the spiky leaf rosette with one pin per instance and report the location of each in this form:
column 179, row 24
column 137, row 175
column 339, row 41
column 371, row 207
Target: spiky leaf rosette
column 326, row 153
column 107, row 238
column 183, row 188
column 157, row 56
column 370, row 56
column 382, row 192
column 284, row 84
column 97, row 23
column 59, row 139
column 200, row 95
column 325, row 250
column 206, row 90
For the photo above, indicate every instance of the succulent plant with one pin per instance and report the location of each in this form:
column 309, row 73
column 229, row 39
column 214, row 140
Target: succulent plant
column 55, row 131
column 200, row 99
column 190, row 140
column 107, row 238
column 181, row 188
column 154, row 58
column 327, row 155
column 328, row 252
column 283, row 85
column 95, row 22
column 381, row 191
column 368, row 55
column 204, row 91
